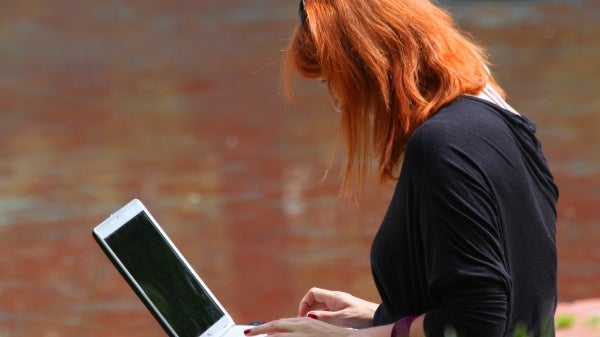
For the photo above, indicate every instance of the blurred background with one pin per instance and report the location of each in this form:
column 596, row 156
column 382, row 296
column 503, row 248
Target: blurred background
column 178, row 103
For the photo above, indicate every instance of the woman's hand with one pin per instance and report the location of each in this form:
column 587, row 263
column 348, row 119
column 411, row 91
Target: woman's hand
column 338, row 308
column 299, row 326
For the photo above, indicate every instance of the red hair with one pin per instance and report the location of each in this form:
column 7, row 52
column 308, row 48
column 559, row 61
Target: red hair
column 393, row 63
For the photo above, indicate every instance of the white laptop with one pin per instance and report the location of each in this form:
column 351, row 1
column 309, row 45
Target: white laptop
column 161, row 277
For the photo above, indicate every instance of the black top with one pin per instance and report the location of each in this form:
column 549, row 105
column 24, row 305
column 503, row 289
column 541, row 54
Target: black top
column 469, row 236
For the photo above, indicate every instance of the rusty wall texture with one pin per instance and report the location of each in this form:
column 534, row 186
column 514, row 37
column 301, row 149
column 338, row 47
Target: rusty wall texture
column 179, row 103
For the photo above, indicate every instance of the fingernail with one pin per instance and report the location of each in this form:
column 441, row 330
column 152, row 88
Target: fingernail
column 248, row 331
column 313, row 316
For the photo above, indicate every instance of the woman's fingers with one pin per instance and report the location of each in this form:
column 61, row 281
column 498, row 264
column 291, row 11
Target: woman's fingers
column 331, row 317
column 284, row 325
column 337, row 308
column 299, row 326
column 316, row 299
column 267, row 328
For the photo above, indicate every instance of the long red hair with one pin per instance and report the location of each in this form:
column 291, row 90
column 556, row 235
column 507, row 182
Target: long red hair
column 393, row 63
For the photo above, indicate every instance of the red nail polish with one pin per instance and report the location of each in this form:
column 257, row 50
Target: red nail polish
column 313, row 316
column 247, row 331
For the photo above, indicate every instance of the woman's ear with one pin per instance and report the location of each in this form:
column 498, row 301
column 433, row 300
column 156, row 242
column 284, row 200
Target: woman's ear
column 336, row 101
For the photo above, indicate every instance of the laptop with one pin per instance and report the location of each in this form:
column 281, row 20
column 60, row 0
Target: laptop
column 161, row 277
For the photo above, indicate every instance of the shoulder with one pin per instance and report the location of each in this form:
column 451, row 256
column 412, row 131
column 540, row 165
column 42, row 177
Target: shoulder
column 466, row 133
column 465, row 122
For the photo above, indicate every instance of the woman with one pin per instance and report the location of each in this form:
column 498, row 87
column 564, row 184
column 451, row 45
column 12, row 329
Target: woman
column 467, row 246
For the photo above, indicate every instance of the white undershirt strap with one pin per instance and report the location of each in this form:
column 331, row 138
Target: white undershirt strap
column 490, row 94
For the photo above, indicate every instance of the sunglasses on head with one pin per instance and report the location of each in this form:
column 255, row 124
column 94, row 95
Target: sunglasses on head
column 302, row 13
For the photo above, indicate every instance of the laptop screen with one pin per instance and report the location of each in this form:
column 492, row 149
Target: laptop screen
column 164, row 277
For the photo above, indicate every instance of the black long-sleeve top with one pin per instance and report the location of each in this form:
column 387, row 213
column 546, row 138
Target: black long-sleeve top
column 469, row 236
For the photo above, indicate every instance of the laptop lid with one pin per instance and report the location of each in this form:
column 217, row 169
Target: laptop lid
column 159, row 274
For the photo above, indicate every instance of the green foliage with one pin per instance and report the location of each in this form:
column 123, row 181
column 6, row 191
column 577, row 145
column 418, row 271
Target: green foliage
column 450, row 332
column 520, row 331
column 564, row 321
column 593, row 322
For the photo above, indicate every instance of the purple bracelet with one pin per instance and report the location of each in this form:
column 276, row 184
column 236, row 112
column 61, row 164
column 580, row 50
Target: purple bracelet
column 402, row 326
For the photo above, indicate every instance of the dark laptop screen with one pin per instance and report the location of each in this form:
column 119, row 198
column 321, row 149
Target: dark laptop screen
column 164, row 277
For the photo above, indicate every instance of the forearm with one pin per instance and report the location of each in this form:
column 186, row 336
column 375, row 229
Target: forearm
column 416, row 330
